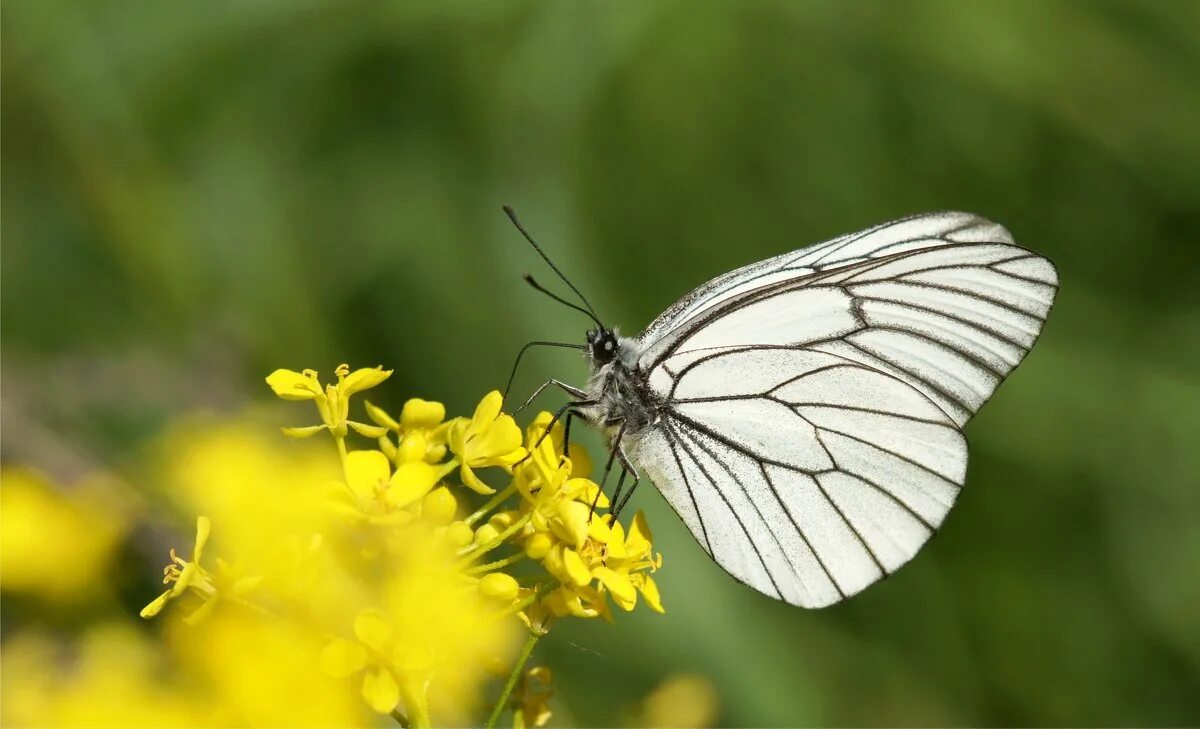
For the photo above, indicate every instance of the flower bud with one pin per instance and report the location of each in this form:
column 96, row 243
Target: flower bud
column 459, row 534
column 538, row 545
column 439, row 506
column 418, row 413
column 499, row 586
column 485, row 534
column 412, row 447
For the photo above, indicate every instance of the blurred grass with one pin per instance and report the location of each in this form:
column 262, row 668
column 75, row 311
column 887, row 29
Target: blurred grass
column 195, row 194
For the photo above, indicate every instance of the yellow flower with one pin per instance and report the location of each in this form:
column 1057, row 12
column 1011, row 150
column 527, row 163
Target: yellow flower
column 229, row 582
column 182, row 574
column 372, row 653
column 531, row 699
column 46, row 528
column 489, row 438
column 333, row 402
column 421, row 432
column 684, row 701
column 374, row 493
column 627, row 564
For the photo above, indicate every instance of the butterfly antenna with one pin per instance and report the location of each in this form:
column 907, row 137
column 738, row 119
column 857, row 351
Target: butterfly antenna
column 538, row 287
column 590, row 311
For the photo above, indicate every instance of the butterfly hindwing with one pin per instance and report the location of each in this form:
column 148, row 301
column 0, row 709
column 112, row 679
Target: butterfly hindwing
column 812, row 403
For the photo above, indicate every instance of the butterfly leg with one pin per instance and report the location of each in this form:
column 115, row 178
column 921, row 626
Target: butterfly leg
column 607, row 468
column 567, row 407
column 627, row 467
column 620, row 487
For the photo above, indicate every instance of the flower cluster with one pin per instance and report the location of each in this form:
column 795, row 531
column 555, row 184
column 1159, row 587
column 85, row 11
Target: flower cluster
column 417, row 562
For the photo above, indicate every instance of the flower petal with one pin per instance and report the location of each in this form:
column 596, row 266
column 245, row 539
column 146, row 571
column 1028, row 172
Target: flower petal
column 369, row 431
column 581, row 462
column 618, row 586
column 157, row 604
column 640, row 538
column 574, row 516
column 411, row 482
column 471, row 481
column 380, row 416
column 486, row 411
column 366, row 471
column 649, row 590
column 418, row 413
column 203, row 529
column 341, row 658
column 372, row 628
column 291, row 385
column 576, row 569
column 498, row 444
column 362, row 379
column 304, row 432
column 380, row 690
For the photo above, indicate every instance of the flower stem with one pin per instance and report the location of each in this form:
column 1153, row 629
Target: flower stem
column 491, row 504
column 513, row 677
column 483, row 549
column 497, row 564
column 341, row 445
column 417, row 704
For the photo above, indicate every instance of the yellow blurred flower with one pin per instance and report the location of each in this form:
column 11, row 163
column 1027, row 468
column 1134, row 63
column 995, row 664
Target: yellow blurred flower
column 113, row 678
column 531, row 699
column 686, row 701
column 55, row 543
column 228, row 582
column 368, row 571
column 260, row 670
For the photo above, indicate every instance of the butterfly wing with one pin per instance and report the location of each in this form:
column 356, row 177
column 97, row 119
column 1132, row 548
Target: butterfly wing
column 810, row 433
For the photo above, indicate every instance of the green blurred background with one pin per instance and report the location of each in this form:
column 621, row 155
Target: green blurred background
column 195, row 194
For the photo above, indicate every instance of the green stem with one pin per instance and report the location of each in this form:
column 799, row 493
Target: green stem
column 400, row 718
column 417, row 704
column 512, row 680
column 483, row 549
column 491, row 504
column 497, row 564
column 341, row 444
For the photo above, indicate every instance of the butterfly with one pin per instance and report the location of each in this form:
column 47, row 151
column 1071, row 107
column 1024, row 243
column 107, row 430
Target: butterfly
column 803, row 415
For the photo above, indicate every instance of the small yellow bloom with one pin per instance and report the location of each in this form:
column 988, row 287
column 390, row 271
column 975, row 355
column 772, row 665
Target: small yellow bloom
column 46, row 528
column 489, row 438
column 531, row 699
column 371, row 653
column 378, row 495
column 420, row 429
column 499, row 586
column 333, row 402
column 185, row 573
column 684, row 701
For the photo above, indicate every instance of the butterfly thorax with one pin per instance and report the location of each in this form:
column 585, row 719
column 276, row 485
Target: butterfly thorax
column 619, row 390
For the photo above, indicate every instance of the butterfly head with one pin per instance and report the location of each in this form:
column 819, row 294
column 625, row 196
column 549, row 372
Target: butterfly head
column 601, row 346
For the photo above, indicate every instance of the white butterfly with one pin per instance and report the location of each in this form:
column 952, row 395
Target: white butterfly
column 803, row 414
